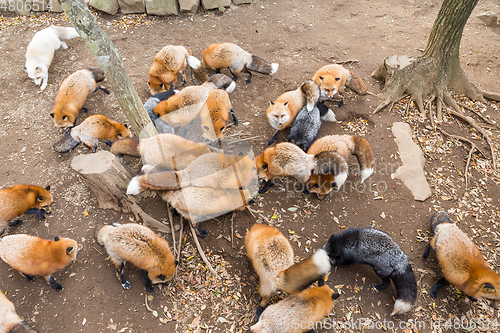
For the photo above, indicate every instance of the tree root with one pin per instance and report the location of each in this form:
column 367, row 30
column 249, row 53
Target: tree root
column 486, row 120
column 147, row 219
column 171, row 219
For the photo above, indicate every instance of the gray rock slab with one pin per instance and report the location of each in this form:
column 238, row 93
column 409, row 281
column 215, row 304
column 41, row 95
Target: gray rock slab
column 189, row 5
column 161, row 7
column 107, row 6
column 412, row 170
column 132, row 6
column 211, row 4
column 239, row 2
column 490, row 17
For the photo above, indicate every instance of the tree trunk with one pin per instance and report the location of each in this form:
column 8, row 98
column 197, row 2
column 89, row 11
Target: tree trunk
column 110, row 61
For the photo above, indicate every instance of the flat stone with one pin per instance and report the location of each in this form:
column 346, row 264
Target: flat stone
column 212, row 4
column 239, row 2
column 107, row 6
column 189, row 5
column 132, row 6
column 412, row 170
column 490, row 17
column 161, row 7
column 54, row 6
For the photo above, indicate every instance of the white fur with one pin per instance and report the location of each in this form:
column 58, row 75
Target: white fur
column 340, row 179
column 193, row 62
column 329, row 116
column 365, row 173
column 40, row 52
column 274, row 123
column 133, row 187
column 401, row 306
column 231, row 87
column 322, row 260
column 274, row 67
column 147, row 168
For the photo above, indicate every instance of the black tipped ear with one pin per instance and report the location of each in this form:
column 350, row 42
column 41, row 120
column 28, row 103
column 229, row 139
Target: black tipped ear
column 176, row 263
column 264, row 167
column 47, row 187
column 52, row 114
column 285, row 104
column 162, row 277
column 488, row 287
column 65, row 117
column 335, row 295
column 126, row 126
column 271, row 102
column 39, row 198
column 321, row 78
column 337, row 78
column 56, row 239
column 69, row 250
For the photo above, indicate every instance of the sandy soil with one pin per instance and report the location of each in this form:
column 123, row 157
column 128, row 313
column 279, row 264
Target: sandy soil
column 301, row 38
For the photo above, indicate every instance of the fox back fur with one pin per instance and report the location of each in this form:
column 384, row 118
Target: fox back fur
column 272, row 258
column 40, row 51
column 462, row 264
column 20, row 199
column 140, row 246
column 32, row 255
column 377, row 249
column 73, row 94
column 295, row 312
column 305, row 128
column 10, row 322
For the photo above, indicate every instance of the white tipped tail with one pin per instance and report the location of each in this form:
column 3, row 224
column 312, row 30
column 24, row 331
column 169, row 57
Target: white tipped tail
column 274, row 67
column 401, row 306
column 340, row 179
column 329, row 116
column 193, row 62
column 365, row 173
column 231, row 87
column 134, row 187
column 147, row 168
column 65, row 32
column 321, row 259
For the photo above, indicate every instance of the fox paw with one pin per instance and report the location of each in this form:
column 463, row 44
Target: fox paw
column 57, row 286
column 150, row 289
column 259, row 311
column 126, row 285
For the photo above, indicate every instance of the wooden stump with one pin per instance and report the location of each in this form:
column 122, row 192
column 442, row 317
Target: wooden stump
column 391, row 64
column 108, row 178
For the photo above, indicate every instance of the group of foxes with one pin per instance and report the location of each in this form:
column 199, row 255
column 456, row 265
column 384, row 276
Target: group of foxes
column 216, row 183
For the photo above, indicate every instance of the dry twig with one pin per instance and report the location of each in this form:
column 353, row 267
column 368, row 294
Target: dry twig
column 202, row 254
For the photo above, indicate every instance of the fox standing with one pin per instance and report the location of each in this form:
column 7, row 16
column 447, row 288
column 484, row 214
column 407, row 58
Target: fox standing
column 227, row 55
column 32, row 255
column 462, row 264
column 73, row 94
column 10, row 322
column 23, row 199
column 140, row 246
column 168, row 63
column 41, row 50
column 272, row 256
column 296, row 313
column 375, row 248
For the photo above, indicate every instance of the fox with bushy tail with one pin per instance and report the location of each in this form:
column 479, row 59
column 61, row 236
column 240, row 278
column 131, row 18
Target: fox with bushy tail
column 375, row 248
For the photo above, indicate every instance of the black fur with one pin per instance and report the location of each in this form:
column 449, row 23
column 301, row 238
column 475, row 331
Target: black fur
column 273, row 138
column 266, row 187
column 305, row 128
column 147, row 281
column 438, row 218
column 54, row 284
column 35, row 211
column 123, row 281
column 22, row 327
column 161, row 126
column 442, row 282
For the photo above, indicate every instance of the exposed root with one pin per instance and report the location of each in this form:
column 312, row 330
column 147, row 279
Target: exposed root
column 439, row 110
column 486, row 120
column 202, row 254
column 148, row 220
column 345, row 62
column 490, row 95
column 382, row 105
column 171, row 219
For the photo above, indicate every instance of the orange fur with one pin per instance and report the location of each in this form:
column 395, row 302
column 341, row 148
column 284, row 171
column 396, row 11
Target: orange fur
column 284, row 109
column 463, row 265
column 71, row 97
column 331, row 80
column 140, row 246
column 99, row 127
column 166, row 66
column 10, row 322
column 226, row 55
column 17, row 199
column 36, row 256
column 215, row 114
column 284, row 159
column 296, row 313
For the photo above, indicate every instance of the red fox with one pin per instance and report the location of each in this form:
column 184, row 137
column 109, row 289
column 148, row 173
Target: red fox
column 333, row 78
column 92, row 129
column 186, row 105
column 461, row 262
column 214, row 170
column 10, row 322
column 140, row 246
column 272, row 258
column 322, row 182
column 23, row 199
column 73, row 94
column 297, row 313
column 227, row 55
column 215, row 114
column 165, row 151
column 168, row 63
column 284, row 159
column 32, row 255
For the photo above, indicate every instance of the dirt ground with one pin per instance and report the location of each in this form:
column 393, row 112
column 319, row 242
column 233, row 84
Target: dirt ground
column 301, row 37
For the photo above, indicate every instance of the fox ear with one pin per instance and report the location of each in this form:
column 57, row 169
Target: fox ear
column 488, row 288
column 161, row 277
column 335, row 295
column 264, row 167
column 56, row 239
column 126, row 126
column 52, row 114
column 321, row 78
column 69, row 249
column 176, row 263
column 271, row 103
column 39, row 198
column 285, row 104
column 47, row 187
column 337, row 78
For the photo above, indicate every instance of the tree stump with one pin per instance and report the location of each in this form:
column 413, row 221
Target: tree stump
column 391, row 65
column 108, row 178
